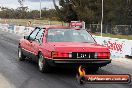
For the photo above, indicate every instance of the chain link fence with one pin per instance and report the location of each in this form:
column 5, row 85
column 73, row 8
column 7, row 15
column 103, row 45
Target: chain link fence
column 112, row 29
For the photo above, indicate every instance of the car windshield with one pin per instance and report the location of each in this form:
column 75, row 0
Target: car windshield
column 69, row 35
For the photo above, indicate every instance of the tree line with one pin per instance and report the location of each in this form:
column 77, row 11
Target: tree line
column 25, row 13
column 115, row 11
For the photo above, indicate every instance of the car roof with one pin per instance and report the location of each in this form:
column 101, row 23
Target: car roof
column 55, row 26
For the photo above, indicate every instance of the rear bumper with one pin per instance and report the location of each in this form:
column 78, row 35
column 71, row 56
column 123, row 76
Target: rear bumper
column 82, row 61
column 77, row 62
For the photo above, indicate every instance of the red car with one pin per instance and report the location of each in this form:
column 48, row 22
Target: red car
column 64, row 47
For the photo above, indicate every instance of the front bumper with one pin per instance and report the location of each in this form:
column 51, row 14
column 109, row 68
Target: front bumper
column 77, row 62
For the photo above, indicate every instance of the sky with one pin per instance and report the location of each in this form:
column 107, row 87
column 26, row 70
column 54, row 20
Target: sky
column 32, row 4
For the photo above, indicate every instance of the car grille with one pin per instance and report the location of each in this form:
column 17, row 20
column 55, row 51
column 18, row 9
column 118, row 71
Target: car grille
column 84, row 55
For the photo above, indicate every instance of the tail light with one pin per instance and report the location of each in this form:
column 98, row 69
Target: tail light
column 55, row 54
column 102, row 55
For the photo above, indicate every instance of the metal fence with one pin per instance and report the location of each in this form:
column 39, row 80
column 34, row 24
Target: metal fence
column 113, row 29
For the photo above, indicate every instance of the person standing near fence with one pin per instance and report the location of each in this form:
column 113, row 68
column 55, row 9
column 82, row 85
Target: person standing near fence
column 29, row 24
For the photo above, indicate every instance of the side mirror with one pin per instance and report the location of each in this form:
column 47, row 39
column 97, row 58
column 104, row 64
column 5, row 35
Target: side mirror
column 31, row 39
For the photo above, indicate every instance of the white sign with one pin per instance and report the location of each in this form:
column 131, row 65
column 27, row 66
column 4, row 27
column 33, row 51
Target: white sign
column 19, row 29
column 117, row 47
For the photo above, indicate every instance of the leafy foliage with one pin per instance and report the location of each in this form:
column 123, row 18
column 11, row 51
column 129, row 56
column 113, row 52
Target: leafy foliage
column 66, row 13
column 24, row 13
column 115, row 11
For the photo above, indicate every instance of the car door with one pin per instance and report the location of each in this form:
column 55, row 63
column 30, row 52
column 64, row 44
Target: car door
column 37, row 43
column 30, row 40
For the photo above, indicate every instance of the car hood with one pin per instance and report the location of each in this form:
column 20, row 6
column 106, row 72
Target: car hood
column 77, row 47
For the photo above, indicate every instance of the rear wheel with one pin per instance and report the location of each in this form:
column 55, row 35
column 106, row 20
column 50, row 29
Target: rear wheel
column 43, row 65
column 21, row 56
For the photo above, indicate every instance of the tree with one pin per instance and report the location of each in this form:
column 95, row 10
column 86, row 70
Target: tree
column 21, row 2
column 22, row 11
column 115, row 11
column 66, row 13
column 86, row 10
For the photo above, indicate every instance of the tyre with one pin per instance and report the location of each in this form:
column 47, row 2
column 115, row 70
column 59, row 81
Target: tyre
column 21, row 56
column 43, row 64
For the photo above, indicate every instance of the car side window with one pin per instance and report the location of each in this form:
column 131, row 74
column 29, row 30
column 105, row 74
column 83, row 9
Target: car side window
column 33, row 35
column 39, row 36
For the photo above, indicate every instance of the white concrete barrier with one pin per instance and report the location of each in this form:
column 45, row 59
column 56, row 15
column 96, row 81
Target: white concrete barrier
column 4, row 27
column 128, row 48
column 19, row 29
column 117, row 47
column 28, row 30
column 23, row 30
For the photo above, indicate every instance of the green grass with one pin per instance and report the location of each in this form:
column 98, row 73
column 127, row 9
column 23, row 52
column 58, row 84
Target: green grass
column 129, row 37
column 34, row 22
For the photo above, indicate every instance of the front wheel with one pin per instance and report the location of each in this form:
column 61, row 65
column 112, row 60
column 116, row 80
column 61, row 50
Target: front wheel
column 21, row 56
column 43, row 65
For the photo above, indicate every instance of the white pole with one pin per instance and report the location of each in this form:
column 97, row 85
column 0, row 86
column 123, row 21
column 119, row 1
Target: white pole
column 102, row 17
column 40, row 7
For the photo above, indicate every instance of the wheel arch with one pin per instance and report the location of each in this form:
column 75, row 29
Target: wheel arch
column 19, row 45
column 38, row 53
